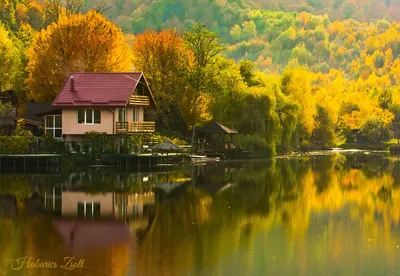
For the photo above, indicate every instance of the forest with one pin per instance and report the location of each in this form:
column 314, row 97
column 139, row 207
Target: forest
column 285, row 75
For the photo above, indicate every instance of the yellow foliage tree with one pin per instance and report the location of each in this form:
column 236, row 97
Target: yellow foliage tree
column 84, row 43
column 165, row 59
column 195, row 114
column 296, row 83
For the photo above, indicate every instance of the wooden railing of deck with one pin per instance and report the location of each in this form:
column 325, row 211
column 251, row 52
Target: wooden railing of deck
column 139, row 100
column 135, row 127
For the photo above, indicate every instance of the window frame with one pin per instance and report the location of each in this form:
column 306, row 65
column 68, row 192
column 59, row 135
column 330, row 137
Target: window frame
column 53, row 127
column 135, row 115
column 124, row 115
column 95, row 209
column 85, row 117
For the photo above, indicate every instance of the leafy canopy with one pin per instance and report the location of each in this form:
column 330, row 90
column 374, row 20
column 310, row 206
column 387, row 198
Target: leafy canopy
column 84, row 43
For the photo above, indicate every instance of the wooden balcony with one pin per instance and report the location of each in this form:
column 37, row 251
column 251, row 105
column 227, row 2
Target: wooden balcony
column 135, row 127
column 136, row 100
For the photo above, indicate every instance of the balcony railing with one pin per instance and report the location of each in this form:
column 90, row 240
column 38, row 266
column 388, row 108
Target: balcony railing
column 137, row 100
column 135, row 127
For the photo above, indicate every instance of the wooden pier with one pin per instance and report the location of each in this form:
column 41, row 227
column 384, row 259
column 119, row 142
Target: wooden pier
column 146, row 161
column 22, row 163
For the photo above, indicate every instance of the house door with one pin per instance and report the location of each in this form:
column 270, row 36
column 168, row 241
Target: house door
column 122, row 115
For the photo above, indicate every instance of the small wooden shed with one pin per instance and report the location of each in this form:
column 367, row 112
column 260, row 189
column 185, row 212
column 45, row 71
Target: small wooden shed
column 215, row 138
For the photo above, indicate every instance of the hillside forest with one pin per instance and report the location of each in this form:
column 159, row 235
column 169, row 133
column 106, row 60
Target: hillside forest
column 314, row 74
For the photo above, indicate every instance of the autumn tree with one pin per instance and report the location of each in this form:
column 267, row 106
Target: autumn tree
column 165, row 60
column 296, row 84
column 35, row 15
column 94, row 45
column 9, row 61
column 20, row 13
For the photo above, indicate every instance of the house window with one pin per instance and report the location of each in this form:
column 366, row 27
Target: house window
column 135, row 115
column 54, row 126
column 89, row 116
column 122, row 115
column 89, row 209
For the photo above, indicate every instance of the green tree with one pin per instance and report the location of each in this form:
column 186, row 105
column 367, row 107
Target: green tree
column 246, row 70
column 348, row 9
column 7, row 14
column 35, row 15
column 324, row 133
column 205, row 47
column 249, row 29
column 52, row 11
column 236, row 32
column 379, row 60
column 374, row 131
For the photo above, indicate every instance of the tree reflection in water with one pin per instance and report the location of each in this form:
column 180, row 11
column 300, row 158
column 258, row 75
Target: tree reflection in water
column 278, row 216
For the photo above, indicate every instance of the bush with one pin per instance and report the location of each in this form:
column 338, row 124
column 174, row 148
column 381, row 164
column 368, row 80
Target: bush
column 98, row 143
column 49, row 144
column 373, row 131
column 175, row 140
column 15, row 144
column 256, row 144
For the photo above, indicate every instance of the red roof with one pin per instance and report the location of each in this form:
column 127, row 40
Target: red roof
column 98, row 89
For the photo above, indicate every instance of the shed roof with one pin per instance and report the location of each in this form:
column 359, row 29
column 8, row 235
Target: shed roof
column 215, row 127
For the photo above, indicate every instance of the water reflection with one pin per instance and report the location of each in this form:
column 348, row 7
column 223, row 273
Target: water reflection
column 336, row 214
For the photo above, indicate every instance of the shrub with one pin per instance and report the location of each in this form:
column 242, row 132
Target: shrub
column 374, row 131
column 98, row 143
column 15, row 144
column 49, row 144
column 256, row 144
column 174, row 140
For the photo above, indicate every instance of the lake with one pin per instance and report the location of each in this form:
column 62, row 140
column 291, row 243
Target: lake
column 334, row 214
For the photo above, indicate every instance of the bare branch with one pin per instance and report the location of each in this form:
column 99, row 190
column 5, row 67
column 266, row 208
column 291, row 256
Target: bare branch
column 102, row 7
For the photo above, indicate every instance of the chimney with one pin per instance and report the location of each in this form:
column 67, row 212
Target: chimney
column 72, row 83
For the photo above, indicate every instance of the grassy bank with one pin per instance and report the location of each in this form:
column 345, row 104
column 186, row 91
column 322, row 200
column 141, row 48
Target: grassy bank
column 363, row 146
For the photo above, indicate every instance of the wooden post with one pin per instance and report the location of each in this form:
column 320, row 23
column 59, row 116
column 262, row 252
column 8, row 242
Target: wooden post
column 119, row 145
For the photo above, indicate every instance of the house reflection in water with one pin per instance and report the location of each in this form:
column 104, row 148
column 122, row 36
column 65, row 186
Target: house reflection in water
column 99, row 221
column 95, row 205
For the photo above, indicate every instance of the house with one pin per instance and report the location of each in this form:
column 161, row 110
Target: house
column 112, row 103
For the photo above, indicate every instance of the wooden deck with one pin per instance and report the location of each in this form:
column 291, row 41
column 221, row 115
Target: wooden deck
column 135, row 127
column 23, row 163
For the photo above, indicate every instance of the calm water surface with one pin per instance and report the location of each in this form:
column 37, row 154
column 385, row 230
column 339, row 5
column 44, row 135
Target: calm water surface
column 315, row 215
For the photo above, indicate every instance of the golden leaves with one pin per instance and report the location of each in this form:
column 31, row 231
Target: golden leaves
column 86, row 43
